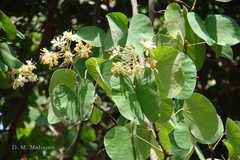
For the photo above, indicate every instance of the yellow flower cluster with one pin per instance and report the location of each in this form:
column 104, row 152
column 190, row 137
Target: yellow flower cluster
column 63, row 50
column 23, row 75
column 128, row 61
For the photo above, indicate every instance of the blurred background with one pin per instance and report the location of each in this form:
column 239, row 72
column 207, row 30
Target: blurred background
column 23, row 113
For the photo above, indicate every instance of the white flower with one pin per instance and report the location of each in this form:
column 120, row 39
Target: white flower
column 68, row 57
column 71, row 37
column 115, row 52
column 59, row 42
column 148, row 46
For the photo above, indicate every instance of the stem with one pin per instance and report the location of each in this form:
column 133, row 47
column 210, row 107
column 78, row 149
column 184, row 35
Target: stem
column 151, row 8
column 134, row 7
column 108, row 114
column 194, row 4
column 165, row 152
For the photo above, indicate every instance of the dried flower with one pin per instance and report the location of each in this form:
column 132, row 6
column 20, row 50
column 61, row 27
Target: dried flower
column 71, row 37
column 49, row 57
column 68, row 57
column 148, row 46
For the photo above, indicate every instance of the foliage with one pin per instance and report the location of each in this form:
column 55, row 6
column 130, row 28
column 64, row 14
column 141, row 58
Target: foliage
column 146, row 75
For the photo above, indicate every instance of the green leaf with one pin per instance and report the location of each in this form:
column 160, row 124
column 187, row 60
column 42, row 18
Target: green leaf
column 3, row 67
column 198, row 110
column 7, row 58
column 92, row 35
column 224, row 1
column 125, row 98
column 176, row 76
column 7, row 26
column 182, row 136
column 118, row 23
column 231, row 151
column 223, row 51
column 233, row 134
column 140, row 30
column 96, row 115
column 118, row 144
column 52, row 117
column 86, row 99
column 156, row 109
column 199, row 28
column 224, row 30
column 5, row 80
column 195, row 47
column 64, row 101
column 63, row 76
column 174, row 21
column 93, row 68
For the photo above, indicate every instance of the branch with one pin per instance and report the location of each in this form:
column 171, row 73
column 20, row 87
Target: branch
column 108, row 114
column 134, row 7
column 151, row 8
column 73, row 147
column 165, row 152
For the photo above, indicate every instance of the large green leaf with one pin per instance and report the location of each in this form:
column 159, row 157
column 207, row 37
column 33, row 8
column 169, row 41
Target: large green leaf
column 182, row 136
column 224, row 30
column 199, row 27
column 195, row 47
column 93, row 68
column 198, row 110
column 118, row 144
column 86, row 99
column 231, row 151
column 92, row 35
column 63, row 76
column 64, row 101
column 176, row 76
column 125, row 98
column 140, row 30
column 137, row 142
column 7, row 58
column 153, row 106
column 233, row 135
column 7, row 25
column 118, row 23
column 174, row 20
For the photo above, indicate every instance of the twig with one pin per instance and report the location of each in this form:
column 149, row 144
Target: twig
column 181, row 2
column 165, row 152
column 73, row 147
column 134, row 7
column 151, row 8
column 108, row 114
column 194, row 4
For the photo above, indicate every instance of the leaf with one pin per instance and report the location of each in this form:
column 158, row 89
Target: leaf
column 137, row 142
column 223, row 51
column 96, row 115
column 140, row 30
column 3, row 67
column 231, row 151
column 86, row 99
column 198, row 110
column 118, row 23
column 5, row 81
column 64, row 101
column 7, row 58
column 7, row 25
column 195, row 47
column 198, row 27
column 224, row 1
column 93, row 67
column 176, row 76
column 125, row 98
column 156, row 109
column 233, row 134
column 224, row 30
column 174, row 21
column 92, row 35
column 63, row 76
column 115, row 148
column 182, row 136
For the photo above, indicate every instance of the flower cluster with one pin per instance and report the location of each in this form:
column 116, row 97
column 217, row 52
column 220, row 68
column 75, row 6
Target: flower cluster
column 23, row 75
column 65, row 48
column 128, row 62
